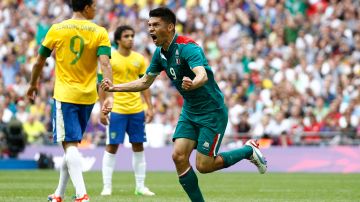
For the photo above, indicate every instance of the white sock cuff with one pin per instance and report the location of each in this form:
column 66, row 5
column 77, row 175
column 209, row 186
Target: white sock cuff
column 139, row 155
column 108, row 154
column 109, row 160
column 72, row 149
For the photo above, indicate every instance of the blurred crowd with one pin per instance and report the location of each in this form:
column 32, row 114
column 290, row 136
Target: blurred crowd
column 289, row 69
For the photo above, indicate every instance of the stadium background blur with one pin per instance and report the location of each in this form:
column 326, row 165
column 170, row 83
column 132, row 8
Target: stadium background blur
column 289, row 69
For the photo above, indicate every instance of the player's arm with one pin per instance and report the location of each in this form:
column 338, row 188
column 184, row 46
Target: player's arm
column 105, row 98
column 194, row 56
column 199, row 80
column 149, row 113
column 35, row 74
column 134, row 86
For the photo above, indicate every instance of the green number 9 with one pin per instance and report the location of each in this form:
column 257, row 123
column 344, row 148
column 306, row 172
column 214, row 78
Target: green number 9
column 79, row 52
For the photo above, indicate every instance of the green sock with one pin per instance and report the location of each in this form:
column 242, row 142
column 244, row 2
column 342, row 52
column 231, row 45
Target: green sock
column 236, row 155
column 189, row 182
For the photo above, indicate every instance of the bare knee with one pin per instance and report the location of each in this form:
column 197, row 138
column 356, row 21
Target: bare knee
column 179, row 158
column 137, row 147
column 112, row 148
column 203, row 167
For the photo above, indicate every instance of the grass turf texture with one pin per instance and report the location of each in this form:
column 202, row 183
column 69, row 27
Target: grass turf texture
column 34, row 186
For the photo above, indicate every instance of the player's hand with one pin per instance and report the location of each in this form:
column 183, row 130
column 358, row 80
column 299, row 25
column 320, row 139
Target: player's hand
column 107, row 105
column 31, row 92
column 106, row 85
column 149, row 115
column 186, row 83
column 104, row 118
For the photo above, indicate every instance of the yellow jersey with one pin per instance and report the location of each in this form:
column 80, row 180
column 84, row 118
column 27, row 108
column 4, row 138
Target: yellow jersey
column 127, row 69
column 77, row 45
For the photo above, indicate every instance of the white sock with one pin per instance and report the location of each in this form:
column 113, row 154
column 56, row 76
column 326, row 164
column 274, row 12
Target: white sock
column 108, row 166
column 73, row 160
column 139, row 166
column 64, row 178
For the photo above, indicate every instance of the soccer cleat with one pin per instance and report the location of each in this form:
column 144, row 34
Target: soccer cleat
column 257, row 158
column 106, row 192
column 85, row 198
column 144, row 192
column 53, row 198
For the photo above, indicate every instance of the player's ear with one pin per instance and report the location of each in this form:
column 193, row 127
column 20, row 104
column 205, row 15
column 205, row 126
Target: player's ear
column 171, row 26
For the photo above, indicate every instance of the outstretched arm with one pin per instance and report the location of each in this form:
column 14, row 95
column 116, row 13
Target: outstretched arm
column 134, row 86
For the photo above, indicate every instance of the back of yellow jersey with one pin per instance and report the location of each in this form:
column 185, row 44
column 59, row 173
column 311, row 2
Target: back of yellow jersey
column 127, row 69
column 77, row 44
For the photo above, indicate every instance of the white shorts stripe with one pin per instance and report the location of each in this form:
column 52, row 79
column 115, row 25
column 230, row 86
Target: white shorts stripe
column 60, row 129
column 216, row 144
column 108, row 131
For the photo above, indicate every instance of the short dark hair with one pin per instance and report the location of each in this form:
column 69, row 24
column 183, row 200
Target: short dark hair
column 79, row 5
column 120, row 30
column 164, row 13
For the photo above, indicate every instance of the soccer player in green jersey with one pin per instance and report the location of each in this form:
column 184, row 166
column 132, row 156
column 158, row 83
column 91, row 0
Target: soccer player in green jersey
column 204, row 116
column 80, row 45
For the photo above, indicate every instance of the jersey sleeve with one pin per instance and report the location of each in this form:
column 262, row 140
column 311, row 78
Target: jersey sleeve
column 155, row 67
column 104, row 44
column 193, row 55
column 49, row 43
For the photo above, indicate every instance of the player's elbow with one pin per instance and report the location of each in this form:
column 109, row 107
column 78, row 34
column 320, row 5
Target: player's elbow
column 205, row 78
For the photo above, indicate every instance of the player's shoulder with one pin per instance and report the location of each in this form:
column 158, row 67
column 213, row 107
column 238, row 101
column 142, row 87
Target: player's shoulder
column 186, row 44
column 98, row 27
column 185, row 40
column 137, row 55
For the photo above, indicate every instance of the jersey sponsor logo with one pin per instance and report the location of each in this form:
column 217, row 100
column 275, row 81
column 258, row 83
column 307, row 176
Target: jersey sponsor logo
column 206, row 144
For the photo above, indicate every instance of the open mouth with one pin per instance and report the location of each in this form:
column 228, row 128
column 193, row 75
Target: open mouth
column 154, row 37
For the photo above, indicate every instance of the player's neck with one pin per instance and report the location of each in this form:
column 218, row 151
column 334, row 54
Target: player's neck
column 168, row 42
column 78, row 16
column 124, row 51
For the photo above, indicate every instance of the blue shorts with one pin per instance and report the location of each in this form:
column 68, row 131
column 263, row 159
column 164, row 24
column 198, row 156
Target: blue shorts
column 69, row 121
column 132, row 124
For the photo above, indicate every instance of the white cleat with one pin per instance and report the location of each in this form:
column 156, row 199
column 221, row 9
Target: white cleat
column 257, row 158
column 144, row 192
column 106, row 192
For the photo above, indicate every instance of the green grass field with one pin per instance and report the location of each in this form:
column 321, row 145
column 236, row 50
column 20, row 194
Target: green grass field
column 34, row 186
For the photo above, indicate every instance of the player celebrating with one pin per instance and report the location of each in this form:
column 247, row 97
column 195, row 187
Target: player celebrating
column 128, row 112
column 203, row 119
column 79, row 45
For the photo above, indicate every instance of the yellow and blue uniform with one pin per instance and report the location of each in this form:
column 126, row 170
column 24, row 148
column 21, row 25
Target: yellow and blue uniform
column 77, row 45
column 204, row 115
column 128, row 110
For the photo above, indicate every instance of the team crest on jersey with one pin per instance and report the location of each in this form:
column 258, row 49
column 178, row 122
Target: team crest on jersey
column 177, row 57
column 136, row 64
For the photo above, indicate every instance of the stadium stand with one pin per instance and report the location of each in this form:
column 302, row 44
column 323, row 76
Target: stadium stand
column 289, row 70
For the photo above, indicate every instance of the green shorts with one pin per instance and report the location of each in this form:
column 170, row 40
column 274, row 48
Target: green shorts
column 207, row 130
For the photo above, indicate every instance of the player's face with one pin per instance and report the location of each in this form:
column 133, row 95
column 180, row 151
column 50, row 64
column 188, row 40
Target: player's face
column 158, row 30
column 127, row 39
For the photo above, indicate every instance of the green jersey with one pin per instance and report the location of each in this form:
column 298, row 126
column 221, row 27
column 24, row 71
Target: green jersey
column 182, row 55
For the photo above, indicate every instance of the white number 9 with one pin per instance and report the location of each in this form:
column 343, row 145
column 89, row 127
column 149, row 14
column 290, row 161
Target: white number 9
column 172, row 72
